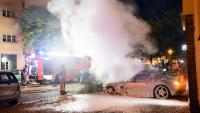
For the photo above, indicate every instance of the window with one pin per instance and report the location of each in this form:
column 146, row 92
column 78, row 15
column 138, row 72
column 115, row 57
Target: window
column 8, row 13
column 12, row 78
column 142, row 77
column 4, row 78
column 13, row 38
column 9, row 38
column 4, row 38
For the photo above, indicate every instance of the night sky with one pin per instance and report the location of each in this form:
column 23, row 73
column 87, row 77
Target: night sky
column 150, row 9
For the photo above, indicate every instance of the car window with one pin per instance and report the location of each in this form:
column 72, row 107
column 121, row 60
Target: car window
column 16, row 72
column 12, row 78
column 142, row 77
column 3, row 78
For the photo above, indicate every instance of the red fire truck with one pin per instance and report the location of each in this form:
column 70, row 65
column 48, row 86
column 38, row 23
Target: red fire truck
column 48, row 68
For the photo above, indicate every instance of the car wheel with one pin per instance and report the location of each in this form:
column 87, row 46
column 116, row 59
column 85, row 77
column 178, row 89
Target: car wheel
column 13, row 102
column 161, row 92
column 110, row 90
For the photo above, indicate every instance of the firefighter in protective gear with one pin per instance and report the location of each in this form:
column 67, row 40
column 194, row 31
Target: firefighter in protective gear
column 62, row 80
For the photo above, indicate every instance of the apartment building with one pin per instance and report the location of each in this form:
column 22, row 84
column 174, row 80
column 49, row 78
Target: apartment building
column 11, row 38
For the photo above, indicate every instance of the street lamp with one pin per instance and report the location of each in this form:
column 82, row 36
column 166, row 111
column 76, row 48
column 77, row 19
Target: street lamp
column 4, row 59
column 170, row 51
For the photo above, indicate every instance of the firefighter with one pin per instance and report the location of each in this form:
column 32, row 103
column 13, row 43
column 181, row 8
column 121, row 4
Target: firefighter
column 22, row 76
column 25, row 74
column 62, row 80
column 176, row 68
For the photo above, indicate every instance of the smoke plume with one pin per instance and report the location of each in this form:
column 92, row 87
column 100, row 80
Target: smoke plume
column 103, row 30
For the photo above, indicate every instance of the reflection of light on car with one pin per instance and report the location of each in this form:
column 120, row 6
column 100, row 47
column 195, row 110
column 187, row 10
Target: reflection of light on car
column 176, row 83
column 164, row 70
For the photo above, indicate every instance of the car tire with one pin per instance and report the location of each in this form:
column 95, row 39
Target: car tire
column 13, row 102
column 110, row 91
column 161, row 92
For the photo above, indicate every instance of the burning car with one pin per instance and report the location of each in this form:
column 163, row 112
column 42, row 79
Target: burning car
column 149, row 83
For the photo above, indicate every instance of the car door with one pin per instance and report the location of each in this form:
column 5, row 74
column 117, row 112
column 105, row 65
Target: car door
column 14, row 85
column 17, row 74
column 139, row 85
column 5, row 86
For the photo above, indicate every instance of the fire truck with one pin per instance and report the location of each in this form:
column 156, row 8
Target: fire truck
column 48, row 68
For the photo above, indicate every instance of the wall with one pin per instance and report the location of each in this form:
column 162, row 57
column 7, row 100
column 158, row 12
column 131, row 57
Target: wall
column 191, row 14
column 197, row 42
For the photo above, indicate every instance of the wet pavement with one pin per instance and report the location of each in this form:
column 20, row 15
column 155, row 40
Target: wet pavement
column 46, row 99
column 41, row 92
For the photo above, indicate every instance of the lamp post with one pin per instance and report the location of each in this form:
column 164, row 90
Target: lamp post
column 170, row 53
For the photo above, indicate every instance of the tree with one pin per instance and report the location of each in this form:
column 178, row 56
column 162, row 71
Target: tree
column 168, row 32
column 42, row 29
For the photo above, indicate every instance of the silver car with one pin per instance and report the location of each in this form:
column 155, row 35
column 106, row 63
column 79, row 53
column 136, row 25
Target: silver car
column 9, row 88
column 149, row 83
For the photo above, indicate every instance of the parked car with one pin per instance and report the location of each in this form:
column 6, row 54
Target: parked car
column 9, row 88
column 149, row 83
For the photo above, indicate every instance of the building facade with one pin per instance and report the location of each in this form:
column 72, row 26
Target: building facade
column 191, row 17
column 11, row 38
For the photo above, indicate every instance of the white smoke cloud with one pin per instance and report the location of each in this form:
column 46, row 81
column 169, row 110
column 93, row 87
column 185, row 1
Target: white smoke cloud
column 104, row 30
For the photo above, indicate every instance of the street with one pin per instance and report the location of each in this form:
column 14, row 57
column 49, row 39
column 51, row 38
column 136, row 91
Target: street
column 46, row 99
